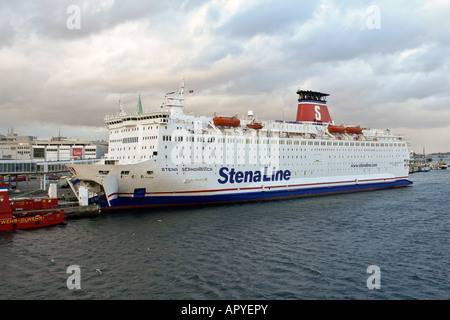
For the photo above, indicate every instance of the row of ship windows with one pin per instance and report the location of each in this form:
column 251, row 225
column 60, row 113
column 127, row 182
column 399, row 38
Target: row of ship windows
column 239, row 149
column 279, row 156
column 132, row 157
column 255, row 157
column 131, row 129
column 123, row 172
column 281, row 141
column 131, row 139
column 169, row 138
column 134, row 148
column 289, row 157
column 335, row 156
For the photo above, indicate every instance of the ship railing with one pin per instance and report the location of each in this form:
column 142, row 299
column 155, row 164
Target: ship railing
column 314, row 123
column 124, row 113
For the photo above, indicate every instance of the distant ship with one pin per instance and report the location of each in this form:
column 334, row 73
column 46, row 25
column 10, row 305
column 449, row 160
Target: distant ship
column 169, row 158
column 442, row 165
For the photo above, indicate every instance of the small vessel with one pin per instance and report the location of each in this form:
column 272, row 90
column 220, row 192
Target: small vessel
column 336, row 129
column 425, row 168
column 255, row 125
column 226, row 121
column 354, row 130
column 28, row 213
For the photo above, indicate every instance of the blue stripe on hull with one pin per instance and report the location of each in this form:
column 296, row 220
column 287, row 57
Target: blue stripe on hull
column 159, row 201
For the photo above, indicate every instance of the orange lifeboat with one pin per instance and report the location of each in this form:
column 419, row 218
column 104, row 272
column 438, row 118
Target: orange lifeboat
column 224, row 121
column 355, row 130
column 336, row 129
column 255, row 125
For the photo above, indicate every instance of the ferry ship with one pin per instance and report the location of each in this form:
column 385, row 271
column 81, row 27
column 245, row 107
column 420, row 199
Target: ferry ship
column 166, row 157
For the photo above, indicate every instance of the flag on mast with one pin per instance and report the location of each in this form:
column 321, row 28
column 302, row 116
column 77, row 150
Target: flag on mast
column 139, row 106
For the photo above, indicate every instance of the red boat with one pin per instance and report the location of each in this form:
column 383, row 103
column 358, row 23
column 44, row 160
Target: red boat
column 224, row 121
column 336, row 129
column 355, row 130
column 255, row 125
column 28, row 213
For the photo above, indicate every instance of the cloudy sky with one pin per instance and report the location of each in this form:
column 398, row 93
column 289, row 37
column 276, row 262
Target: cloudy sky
column 65, row 64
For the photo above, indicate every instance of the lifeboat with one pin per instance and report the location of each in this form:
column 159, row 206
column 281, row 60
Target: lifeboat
column 28, row 213
column 336, row 129
column 354, row 130
column 224, row 121
column 255, row 125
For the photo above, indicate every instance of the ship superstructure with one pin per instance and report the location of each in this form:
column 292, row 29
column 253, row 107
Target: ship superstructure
column 166, row 157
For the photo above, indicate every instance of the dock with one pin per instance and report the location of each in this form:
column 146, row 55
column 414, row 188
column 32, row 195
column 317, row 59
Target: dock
column 67, row 201
column 77, row 212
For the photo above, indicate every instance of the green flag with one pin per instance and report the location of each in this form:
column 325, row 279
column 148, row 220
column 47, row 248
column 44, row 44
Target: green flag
column 139, row 106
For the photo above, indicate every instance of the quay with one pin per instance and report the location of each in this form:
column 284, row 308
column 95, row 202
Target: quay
column 67, row 201
column 29, row 178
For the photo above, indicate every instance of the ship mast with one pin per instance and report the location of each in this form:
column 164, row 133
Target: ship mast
column 175, row 104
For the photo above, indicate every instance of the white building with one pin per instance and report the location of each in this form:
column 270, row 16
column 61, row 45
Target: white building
column 15, row 147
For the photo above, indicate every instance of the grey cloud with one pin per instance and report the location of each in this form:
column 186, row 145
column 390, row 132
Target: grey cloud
column 255, row 59
column 48, row 18
column 215, row 52
column 267, row 17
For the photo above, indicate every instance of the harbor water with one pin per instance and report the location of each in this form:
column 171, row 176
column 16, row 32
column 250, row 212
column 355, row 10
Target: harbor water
column 312, row 248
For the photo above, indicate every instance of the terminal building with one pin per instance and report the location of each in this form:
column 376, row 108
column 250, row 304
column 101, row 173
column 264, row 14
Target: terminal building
column 15, row 147
column 27, row 155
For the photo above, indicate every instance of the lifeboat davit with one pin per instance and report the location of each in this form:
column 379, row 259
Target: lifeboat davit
column 255, row 125
column 355, row 130
column 336, row 129
column 224, row 121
